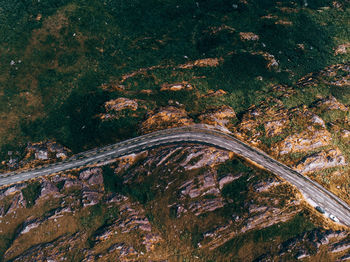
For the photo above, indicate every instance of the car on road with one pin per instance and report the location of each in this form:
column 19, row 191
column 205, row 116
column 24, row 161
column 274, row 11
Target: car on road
column 334, row 218
column 320, row 209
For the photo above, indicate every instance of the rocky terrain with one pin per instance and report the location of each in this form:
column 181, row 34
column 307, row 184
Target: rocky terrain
column 188, row 201
column 275, row 74
column 169, row 203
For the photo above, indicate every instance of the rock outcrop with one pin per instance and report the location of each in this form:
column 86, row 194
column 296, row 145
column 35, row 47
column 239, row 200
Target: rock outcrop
column 115, row 107
column 176, row 87
column 305, row 141
column 206, row 62
column 46, row 150
column 121, row 103
column 335, row 75
column 330, row 103
column 166, row 117
column 342, row 49
column 218, row 117
column 248, row 36
column 309, row 243
column 321, row 160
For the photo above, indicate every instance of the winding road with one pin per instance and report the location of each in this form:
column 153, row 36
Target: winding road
column 314, row 193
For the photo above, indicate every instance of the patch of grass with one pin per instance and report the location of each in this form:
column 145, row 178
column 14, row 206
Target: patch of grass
column 140, row 191
column 236, row 192
column 95, row 213
column 280, row 232
column 299, row 224
column 5, row 242
column 234, row 166
column 112, row 182
column 31, row 193
column 196, row 236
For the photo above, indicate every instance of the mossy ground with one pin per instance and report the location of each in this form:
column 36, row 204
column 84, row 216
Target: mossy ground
column 56, row 54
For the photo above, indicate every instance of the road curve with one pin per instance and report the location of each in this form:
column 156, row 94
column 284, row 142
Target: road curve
column 312, row 191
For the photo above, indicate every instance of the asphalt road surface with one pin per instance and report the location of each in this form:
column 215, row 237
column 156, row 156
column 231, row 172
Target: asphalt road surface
column 314, row 193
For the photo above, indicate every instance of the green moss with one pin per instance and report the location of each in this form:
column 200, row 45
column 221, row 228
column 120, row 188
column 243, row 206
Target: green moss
column 300, row 223
column 31, row 193
column 234, row 166
column 102, row 41
column 112, row 182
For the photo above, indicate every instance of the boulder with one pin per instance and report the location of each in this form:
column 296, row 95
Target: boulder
column 41, row 155
column 342, row 49
column 46, row 150
column 92, row 176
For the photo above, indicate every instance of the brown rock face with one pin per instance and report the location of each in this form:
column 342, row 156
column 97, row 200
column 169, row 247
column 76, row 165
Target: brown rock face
column 275, row 127
column 272, row 120
column 166, row 117
column 219, row 92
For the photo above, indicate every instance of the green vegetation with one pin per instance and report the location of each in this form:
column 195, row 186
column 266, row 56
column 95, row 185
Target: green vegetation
column 111, row 181
column 56, row 54
column 31, row 193
column 262, row 238
column 5, row 242
column 237, row 192
column 234, row 166
column 299, row 224
column 93, row 219
column 140, row 191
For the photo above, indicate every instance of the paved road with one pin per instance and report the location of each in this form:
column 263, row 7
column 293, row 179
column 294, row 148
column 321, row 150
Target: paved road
column 312, row 191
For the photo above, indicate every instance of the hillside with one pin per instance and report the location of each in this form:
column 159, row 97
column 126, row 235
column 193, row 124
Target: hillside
column 76, row 75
